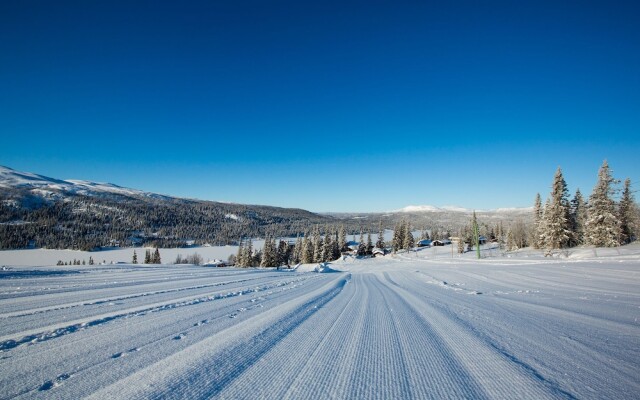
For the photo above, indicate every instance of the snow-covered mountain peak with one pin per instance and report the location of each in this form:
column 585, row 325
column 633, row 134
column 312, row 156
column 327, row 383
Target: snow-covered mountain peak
column 10, row 178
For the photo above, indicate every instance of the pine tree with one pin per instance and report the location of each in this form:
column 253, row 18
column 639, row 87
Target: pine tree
column 342, row 238
column 578, row 218
column 369, row 244
column 626, row 213
column 317, row 245
column 602, row 228
column 156, row 257
column 407, row 238
column 537, row 223
column 240, row 254
column 361, row 245
column 557, row 232
column 247, row 258
column 135, row 258
column 91, row 262
column 284, row 253
column 147, row 256
column 268, row 253
column 380, row 241
column 307, row 250
column 327, row 251
column 460, row 242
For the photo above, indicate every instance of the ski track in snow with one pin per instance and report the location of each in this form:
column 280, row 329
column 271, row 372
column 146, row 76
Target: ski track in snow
column 400, row 327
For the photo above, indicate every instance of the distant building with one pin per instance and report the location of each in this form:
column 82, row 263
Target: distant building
column 441, row 242
column 424, row 243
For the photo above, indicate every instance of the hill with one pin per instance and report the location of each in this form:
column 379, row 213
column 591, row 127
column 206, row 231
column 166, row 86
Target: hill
column 39, row 211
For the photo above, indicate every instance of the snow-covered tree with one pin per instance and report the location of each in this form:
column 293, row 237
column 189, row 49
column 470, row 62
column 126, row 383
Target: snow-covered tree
column 536, row 241
column 380, row 241
column 342, row 238
column 317, row 245
column 362, row 250
column 398, row 236
column 557, row 230
column 307, row 250
column 602, row 228
column 626, row 214
column 369, row 243
column 155, row 259
column 268, row 253
column 147, row 256
column 578, row 218
column 134, row 260
column 327, row 247
column 408, row 240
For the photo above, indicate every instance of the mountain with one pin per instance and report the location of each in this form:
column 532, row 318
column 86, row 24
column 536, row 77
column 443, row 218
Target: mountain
column 39, row 211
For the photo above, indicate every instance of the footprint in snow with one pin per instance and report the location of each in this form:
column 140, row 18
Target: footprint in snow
column 48, row 385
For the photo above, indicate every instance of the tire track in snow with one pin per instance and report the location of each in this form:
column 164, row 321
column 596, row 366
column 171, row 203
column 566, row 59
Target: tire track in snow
column 11, row 341
column 501, row 374
column 146, row 351
column 217, row 361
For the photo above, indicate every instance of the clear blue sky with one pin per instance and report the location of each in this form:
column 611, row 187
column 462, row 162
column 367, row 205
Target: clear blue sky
column 327, row 106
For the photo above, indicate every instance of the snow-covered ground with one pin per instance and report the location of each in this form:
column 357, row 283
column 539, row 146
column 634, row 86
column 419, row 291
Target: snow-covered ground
column 420, row 325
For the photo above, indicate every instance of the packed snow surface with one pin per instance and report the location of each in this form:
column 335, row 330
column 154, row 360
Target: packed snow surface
column 418, row 325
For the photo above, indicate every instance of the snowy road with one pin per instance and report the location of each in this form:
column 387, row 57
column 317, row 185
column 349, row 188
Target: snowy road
column 399, row 327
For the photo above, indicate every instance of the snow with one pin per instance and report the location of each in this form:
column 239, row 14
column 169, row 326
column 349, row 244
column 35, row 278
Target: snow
column 421, row 324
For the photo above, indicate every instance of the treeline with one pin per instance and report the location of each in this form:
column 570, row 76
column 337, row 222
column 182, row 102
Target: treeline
column 90, row 222
column 600, row 221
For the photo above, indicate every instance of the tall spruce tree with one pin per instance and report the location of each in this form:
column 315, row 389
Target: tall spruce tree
column 407, row 240
column 342, row 238
column 626, row 213
column 578, row 218
column 134, row 260
column 537, row 223
column 602, row 228
column 557, row 231
column 317, row 245
column 380, row 241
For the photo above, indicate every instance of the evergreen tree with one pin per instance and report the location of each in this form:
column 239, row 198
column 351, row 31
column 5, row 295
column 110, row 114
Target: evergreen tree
column 307, row 250
column 342, row 238
column 247, row 257
column 135, row 258
column 156, row 257
column 537, row 223
column 626, row 213
column 380, row 241
column 361, row 245
column 284, row 253
column 240, row 255
column 327, row 248
column 317, row 245
column 91, row 262
column 407, row 238
column 369, row 244
column 557, row 232
column 461, row 242
column 602, row 228
column 578, row 218
column 268, row 253
column 147, row 256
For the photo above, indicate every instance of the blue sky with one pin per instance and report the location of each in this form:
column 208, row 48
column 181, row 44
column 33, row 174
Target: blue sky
column 331, row 106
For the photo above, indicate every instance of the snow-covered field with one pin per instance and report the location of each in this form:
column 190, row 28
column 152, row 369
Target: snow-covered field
column 418, row 325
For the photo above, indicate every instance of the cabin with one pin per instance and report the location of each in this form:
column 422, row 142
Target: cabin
column 424, row 243
column 441, row 242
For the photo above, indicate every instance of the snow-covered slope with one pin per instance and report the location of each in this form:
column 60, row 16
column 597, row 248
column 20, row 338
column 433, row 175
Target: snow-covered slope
column 43, row 185
column 421, row 325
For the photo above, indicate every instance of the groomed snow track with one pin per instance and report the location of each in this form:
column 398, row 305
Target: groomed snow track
column 395, row 328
